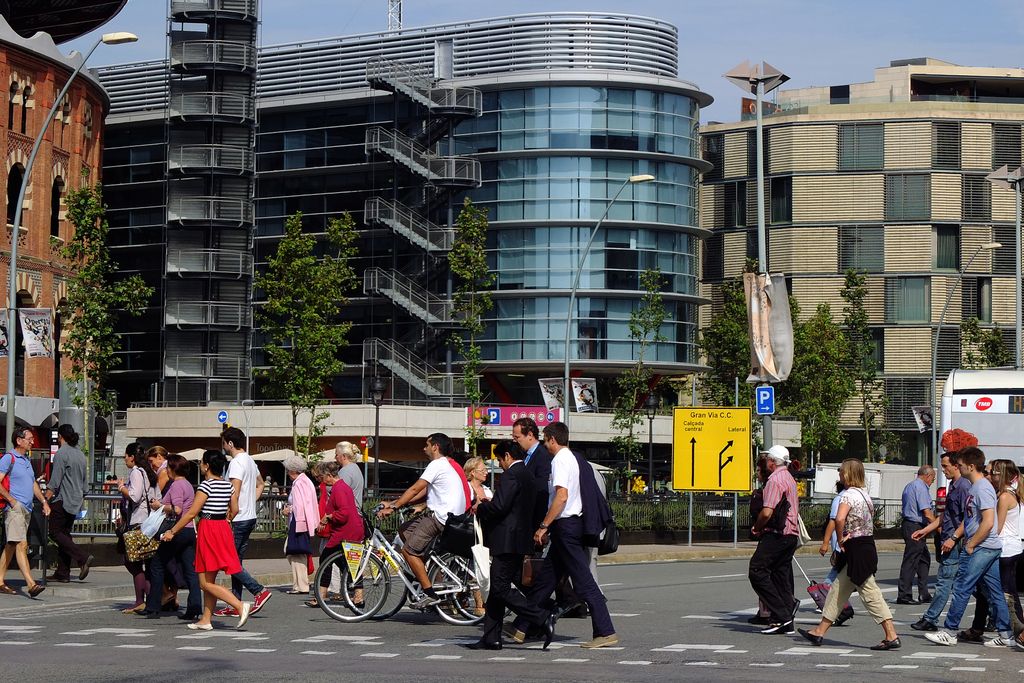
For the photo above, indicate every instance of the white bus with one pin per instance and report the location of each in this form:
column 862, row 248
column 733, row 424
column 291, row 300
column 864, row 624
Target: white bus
column 990, row 405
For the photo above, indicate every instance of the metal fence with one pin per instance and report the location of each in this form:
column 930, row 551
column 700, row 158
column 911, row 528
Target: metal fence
column 101, row 512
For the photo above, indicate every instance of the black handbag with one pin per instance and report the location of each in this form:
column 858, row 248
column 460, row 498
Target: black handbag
column 609, row 540
column 458, row 536
column 298, row 544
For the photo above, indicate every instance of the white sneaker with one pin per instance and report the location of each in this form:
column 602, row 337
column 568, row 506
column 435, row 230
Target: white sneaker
column 1000, row 642
column 942, row 637
column 243, row 616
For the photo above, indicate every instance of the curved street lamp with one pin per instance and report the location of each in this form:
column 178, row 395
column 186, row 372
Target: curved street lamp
column 12, row 294
column 937, row 410
column 631, row 180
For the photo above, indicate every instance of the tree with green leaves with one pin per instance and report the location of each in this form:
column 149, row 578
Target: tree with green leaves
column 819, row 384
column 636, row 381
column 983, row 348
column 862, row 363
column 96, row 296
column 304, row 295
column 472, row 301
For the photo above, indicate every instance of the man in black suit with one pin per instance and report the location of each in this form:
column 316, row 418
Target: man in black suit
column 538, row 463
column 508, row 531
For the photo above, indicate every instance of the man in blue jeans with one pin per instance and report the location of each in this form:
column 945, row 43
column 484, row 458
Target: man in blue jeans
column 979, row 562
column 247, row 483
column 952, row 522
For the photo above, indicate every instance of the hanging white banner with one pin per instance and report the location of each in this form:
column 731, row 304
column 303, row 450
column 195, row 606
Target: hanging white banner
column 37, row 332
column 584, row 391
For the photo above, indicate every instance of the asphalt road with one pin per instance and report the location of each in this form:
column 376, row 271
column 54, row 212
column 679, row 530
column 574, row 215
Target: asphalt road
column 677, row 621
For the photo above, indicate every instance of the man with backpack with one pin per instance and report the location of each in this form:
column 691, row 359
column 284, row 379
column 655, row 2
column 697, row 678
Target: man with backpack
column 777, row 529
column 443, row 484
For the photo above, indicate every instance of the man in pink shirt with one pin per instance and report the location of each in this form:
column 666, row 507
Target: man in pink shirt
column 777, row 530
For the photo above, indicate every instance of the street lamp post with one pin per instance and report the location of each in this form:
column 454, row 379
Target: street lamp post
column 12, row 292
column 377, row 388
column 631, row 180
column 247, row 403
column 651, row 407
column 1003, row 177
column 759, row 79
column 936, row 410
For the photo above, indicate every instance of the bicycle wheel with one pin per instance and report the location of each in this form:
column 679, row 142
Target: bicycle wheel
column 456, row 606
column 372, row 580
column 397, row 595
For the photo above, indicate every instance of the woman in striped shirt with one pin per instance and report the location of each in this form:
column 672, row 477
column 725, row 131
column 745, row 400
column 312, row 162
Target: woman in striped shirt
column 215, row 546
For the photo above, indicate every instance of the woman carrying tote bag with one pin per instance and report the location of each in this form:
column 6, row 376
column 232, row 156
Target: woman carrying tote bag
column 855, row 531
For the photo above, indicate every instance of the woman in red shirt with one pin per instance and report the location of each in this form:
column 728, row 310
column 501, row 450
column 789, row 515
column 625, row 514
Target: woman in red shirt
column 340, row 522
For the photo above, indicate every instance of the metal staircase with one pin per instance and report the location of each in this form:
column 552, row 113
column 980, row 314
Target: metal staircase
column 455, row 172
column 419, row 85
column 408, row 294
column 416, row 372
column 409, row 224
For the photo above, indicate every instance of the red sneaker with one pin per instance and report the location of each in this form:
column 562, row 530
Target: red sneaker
column 226, row 612
column 260, row 599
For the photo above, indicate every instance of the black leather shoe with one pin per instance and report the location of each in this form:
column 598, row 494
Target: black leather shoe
column 549, row 630
column 925, row 599
column 907, row 601
column 83, row 571
column 923, row 624
column 811, row 638
column 893, row 644
column 481, row 645
column 190, row 616
column 53, row 578
column 149, row 614
column 759, row 621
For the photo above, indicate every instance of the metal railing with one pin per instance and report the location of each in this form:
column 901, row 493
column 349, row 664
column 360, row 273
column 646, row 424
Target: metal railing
column 408, row 294
column 392, row 71
column 201, row 104
column 461, row 100
column 213, row 52
column 424, row 377
column 238, row 159
column 208, row 313
column 240, row 7
column 461, row 171
column 210, row 209
column 418, row 82
column 205, row 261
column 207, row 365
column 407, row 222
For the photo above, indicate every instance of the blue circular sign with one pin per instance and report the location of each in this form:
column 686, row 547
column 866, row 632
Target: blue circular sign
column 222, row 416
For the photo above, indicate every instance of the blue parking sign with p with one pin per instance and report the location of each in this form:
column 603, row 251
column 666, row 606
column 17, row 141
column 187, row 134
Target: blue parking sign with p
column 764, row 400
column 493, row 416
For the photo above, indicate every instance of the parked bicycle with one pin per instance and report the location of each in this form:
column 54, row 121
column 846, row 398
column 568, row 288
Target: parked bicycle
column 379, row 582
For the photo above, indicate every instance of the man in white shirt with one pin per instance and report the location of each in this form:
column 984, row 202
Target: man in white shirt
column 443, row 484
column 247, row 484
column 567, row 555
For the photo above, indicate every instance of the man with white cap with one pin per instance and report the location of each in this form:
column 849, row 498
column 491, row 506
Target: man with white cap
column 777, row 530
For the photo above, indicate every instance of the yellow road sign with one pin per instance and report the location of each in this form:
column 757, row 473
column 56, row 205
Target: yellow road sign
column 711, row 449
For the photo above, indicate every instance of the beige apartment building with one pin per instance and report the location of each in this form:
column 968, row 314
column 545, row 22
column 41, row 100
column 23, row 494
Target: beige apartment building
column 887, row 177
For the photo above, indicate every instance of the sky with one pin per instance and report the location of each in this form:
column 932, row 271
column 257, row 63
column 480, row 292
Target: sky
column 815, row 42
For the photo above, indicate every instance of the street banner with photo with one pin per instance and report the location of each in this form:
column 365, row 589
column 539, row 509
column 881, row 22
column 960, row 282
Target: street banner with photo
column 3, row 337
column 584, row 392
column 37, row 332
column 771, row 328
column 551, row 388
column 923, row 417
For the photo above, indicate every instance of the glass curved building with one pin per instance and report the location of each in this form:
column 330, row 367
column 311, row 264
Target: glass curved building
column 537, row 118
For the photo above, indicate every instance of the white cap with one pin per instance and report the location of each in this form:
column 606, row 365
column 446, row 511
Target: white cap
column 778, row 454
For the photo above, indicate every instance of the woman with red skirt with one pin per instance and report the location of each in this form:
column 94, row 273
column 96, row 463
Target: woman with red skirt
column 215, row 545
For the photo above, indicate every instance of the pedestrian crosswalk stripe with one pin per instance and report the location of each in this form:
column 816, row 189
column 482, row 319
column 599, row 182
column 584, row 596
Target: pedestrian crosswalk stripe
column 379, row 654
column 315, row 652
column 443, row 657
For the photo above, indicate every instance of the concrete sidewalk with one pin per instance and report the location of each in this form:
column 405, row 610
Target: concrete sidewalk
column 115, row 582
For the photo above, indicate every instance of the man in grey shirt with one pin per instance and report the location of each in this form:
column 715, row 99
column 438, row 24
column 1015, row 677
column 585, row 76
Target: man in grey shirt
column 346, row 454
column 65, row 492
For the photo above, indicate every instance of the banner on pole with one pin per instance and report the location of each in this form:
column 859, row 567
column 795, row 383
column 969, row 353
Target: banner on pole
column 37, row 332
column 584, row 392
column 771, row 329
column 3, row 338
column 551, row 388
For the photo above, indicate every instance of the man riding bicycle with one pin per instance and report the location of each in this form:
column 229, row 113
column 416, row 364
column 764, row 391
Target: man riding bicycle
column 444, row 485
